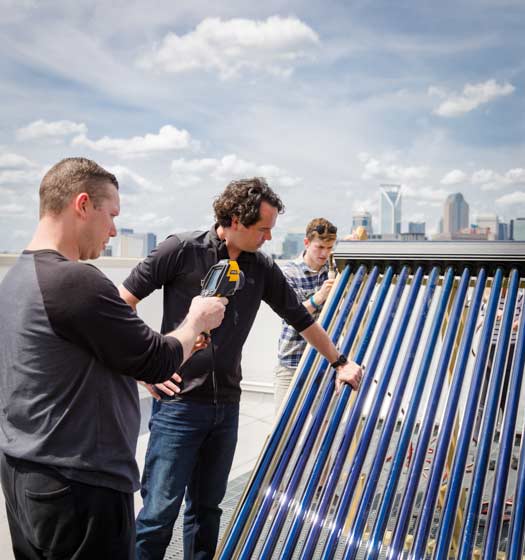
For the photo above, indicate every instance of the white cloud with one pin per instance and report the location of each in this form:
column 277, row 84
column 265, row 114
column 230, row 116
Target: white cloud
column 131, row 182
column 169, row 138
column 515, row 175
column 20, row 177
column 517, row 197
column 471, row 98
column 55, row 129
column 274, row 45
column 12, row 209
column 424, row 194
column 454, row 177
column 15, row 161
column 191, row 172
column 482, row 176
column 377, row 169
column 492, row 181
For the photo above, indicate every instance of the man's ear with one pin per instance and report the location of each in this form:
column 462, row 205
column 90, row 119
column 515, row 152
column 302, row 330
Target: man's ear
column 80, row 204
column 306, row 242
column 235, row 223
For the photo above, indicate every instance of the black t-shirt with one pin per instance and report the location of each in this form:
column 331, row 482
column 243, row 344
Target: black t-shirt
column 178, row 265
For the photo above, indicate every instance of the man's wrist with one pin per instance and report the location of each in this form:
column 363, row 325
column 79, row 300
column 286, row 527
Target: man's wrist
column 314, row 304
column 341, row 361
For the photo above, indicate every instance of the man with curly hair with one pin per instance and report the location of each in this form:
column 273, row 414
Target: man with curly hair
column 193, row 426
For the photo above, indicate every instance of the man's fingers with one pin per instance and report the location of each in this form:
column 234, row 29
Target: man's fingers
column 168, row 388
column 151, row 391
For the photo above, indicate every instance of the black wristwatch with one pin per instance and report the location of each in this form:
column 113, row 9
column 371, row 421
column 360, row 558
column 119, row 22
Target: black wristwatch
column 341, row 361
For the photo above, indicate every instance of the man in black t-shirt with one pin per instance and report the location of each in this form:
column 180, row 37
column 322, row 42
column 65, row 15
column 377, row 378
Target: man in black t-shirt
column 70, row 353
column 194, row 426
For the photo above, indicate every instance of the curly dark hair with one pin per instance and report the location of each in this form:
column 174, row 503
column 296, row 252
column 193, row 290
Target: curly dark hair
column 243, row 199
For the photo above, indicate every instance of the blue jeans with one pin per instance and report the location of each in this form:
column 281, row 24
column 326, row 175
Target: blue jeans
column 190, row 451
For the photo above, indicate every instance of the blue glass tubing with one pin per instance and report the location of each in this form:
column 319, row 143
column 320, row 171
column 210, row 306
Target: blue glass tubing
column 384, row 378
column 383, row 514
column 333, row 478
column 319, row 374
column 447, row 424
column 416, row 467
column 460, row 458
column 260, row 520
column 487, row 430
column 356, row 531
column 517, row 528
column 335, row 420
column 497, row 502
column 241, row 518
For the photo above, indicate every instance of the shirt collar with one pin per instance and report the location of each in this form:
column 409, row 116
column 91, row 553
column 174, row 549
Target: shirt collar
column 222, row 250
column 302, row 263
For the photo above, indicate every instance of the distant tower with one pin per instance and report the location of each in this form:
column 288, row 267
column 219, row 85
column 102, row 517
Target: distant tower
column 390, row 209
column 455, row 213
column 362, row 218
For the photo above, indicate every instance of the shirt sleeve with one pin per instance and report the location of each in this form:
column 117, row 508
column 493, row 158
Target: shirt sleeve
column 85, row 308
column 282, row 298
column 160, row 267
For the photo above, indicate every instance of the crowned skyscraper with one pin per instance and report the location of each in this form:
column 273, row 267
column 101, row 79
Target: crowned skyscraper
column 390, row 209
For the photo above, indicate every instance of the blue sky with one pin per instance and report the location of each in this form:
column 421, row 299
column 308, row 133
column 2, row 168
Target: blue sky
column 326, row 99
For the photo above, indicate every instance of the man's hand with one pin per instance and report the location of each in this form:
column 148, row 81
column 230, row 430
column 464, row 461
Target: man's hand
column 207, row 312
column 201, row 342
column 322, row 293
column 350, row 373
column 168, row 387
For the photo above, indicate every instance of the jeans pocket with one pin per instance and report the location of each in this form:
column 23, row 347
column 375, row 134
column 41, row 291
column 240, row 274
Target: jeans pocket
column 51, row 516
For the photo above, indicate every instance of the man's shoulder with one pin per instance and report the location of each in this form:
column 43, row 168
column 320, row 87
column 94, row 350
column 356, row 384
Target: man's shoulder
column 292, row 267
column 181, row 240
column 78, row 275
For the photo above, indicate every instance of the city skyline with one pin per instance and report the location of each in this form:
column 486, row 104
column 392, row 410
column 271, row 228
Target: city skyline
column 325, row 99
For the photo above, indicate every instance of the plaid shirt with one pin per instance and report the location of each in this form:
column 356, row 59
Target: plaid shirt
column 305, row 282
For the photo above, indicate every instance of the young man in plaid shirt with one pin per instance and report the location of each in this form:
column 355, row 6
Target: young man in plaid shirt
column 308, row 276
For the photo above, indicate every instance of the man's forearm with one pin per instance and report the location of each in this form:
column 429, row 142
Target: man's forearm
column 186, row 334
column 317, row 337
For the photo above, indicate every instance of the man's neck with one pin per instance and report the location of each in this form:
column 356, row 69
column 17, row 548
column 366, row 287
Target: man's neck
column 51, row 234
column 309, row 263
column 233, row 252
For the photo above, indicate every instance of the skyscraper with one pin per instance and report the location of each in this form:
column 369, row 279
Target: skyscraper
column 390, row 209
column 518, row 229
column 362, row 218
column 490, row 223
column 455, row 213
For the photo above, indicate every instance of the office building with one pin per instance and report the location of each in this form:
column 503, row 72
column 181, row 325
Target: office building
column 416, row 227
column 293, row 245
column 503, row 231
column 127, row 243
column 390, row 209
column 363, row 219
column 489, row 223
column 518, row 229
column 455, row 214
